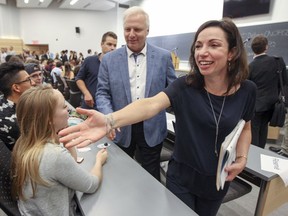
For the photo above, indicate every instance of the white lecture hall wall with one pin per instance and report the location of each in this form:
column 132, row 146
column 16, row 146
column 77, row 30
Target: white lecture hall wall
column 57, row 27
column 182, row 16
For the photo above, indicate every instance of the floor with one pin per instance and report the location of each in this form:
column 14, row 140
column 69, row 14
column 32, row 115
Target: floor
column 245, row 206
column 2, row 213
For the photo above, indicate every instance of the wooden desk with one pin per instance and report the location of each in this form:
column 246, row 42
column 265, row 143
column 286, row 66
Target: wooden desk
column 273, row 133
column 272, row 193
column 127, row 189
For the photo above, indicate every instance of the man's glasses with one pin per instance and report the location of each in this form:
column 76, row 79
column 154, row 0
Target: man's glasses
column 35, row 76
column 26, row 80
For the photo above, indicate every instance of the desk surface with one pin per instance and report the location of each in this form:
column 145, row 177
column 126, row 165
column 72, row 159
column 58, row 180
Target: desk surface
column 253, row 165
column 127, row 189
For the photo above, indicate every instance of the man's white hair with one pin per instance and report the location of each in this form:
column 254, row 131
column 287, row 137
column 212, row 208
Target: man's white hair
column 136, row 10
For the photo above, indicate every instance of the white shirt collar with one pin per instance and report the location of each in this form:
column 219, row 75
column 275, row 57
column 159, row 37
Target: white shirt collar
column 143, row 51
column 255, row 56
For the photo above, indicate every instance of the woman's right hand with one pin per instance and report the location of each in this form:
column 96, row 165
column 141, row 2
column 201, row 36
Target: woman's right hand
column 101, row 156
column 91, row 130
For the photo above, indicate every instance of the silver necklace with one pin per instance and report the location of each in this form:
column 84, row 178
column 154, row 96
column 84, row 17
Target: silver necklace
column 216, row 120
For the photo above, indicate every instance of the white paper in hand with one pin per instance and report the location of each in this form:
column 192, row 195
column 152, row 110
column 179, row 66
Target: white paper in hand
column 227, row 154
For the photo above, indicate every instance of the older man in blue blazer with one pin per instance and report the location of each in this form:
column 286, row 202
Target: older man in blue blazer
column 137, row 70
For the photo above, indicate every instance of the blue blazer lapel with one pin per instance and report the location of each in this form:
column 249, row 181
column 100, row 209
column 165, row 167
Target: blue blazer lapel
column 150, row 68
column 124, row 74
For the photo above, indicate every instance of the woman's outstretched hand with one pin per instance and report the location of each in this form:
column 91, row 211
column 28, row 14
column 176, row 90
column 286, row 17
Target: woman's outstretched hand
column 91, row 130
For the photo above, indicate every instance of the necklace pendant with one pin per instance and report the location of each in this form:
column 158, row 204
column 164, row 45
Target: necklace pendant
column 217, row 121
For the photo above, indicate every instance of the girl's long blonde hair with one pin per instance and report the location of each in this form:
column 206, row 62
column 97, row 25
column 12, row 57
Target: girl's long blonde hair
column 35, row 111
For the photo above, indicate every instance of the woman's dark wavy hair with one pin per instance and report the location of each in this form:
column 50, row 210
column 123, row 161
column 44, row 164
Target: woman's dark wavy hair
column 238, row 70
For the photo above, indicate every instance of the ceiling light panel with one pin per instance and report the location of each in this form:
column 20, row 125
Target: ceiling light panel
column 101, row 5
column 121, row 1
column 33, row 4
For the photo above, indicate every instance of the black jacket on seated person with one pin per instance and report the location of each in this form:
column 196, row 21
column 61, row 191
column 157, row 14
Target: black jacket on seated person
column 9, row 129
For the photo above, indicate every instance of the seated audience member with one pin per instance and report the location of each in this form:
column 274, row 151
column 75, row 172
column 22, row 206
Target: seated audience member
column 76, row 70
column 46, row 174
column 7, row 58
column 81, row 57
column 16, row 58
column 68, row 72
column 3, row 55
column 89, row 52
column 56, row 71
column 14, row 80
column 63, row 56
column 35, row 72
column 46, row 74
column 50, row 64
column 11, row 51
column 57, row 57
column 34, row 55
column 31, row 60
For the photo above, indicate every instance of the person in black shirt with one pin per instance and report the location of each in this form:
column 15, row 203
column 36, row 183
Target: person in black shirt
column 263, row 72
column 87, row 77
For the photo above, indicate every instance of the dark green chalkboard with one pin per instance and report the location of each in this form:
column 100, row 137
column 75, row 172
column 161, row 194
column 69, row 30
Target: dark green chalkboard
column 277, row 34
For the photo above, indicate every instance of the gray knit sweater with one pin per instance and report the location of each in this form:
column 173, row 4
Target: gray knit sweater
column 65, row 176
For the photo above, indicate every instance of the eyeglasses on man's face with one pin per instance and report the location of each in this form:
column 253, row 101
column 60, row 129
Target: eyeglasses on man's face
column 26, row 80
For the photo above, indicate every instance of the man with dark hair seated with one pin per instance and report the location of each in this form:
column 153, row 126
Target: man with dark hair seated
column 14, row 80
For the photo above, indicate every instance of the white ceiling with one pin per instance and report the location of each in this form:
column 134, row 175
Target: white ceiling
column 99, row 5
